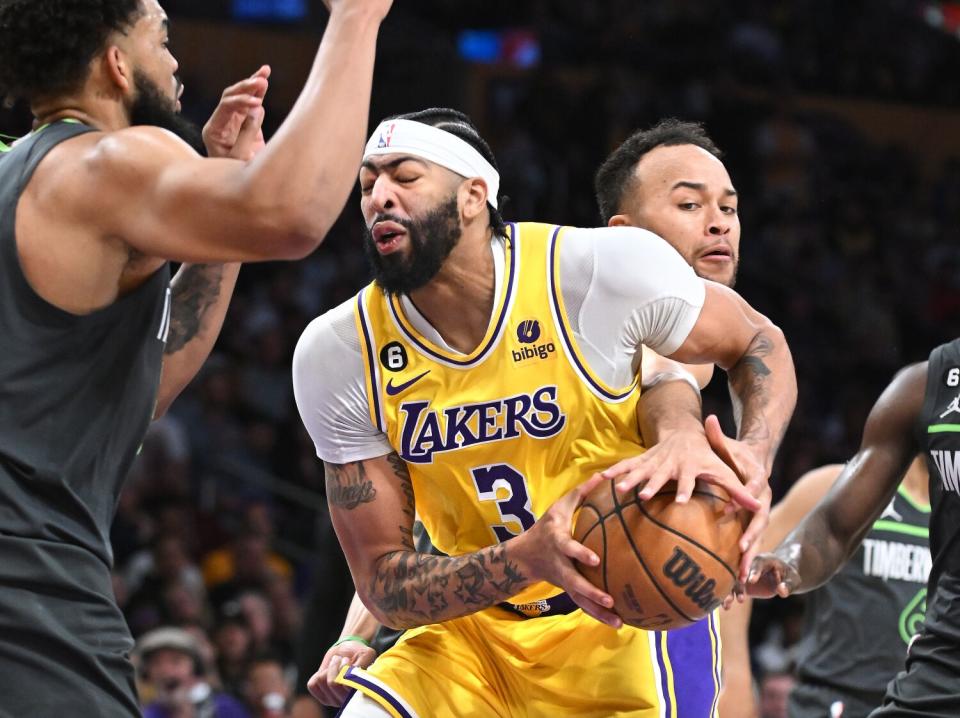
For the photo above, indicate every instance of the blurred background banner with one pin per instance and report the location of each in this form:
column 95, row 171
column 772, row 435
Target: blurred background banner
column 840, row 123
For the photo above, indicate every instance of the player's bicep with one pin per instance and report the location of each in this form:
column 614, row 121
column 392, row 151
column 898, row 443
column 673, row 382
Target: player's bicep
column 164, row 200
column 870, row 479
column 371, row 503
column 725, row 330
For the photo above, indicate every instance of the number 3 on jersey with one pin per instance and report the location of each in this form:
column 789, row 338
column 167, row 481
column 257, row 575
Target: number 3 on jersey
column 507, row 486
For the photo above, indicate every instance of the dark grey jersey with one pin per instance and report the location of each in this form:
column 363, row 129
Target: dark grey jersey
column 929, row 687
column 858, row 625
column 76, row 396
column 939, row 435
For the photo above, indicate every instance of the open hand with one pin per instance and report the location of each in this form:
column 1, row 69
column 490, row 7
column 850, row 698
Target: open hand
column 771, row 576
column 235, row 128
column 683, row 456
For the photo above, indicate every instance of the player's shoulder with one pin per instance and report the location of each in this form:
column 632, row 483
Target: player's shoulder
column 620, row 244
column 330, row 339
column 611, row 234
column 135, row 149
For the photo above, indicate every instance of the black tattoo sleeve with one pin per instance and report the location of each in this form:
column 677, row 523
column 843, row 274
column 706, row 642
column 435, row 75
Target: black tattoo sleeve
column 414, row 589
column 749, row 391
column 195, row 289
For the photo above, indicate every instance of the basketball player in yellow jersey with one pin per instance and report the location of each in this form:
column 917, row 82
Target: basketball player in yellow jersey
column 484, row 375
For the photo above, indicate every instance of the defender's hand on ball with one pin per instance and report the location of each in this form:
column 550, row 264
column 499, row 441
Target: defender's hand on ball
column 756, row 479
column 684, row 457
column 549, row 552
column 771, row 576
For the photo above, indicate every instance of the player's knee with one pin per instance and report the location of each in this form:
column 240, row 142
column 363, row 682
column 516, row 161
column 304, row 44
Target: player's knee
column 362, row 707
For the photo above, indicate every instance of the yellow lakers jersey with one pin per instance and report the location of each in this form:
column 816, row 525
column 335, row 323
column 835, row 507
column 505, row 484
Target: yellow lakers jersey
column 492, row 439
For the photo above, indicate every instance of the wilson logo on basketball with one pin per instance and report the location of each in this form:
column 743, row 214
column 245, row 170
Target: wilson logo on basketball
column 685, row 573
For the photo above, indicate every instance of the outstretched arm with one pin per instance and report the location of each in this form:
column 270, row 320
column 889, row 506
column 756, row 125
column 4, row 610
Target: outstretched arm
column 200, row 293
column 827, row 537
column 163, row 200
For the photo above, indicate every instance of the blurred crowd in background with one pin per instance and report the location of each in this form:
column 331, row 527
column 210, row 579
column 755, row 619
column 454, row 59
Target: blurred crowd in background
column 848, row 244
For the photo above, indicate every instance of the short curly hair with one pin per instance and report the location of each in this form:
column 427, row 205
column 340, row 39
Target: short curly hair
column 615, row 177
column 46, row 45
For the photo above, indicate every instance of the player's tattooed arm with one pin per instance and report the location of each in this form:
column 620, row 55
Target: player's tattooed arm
column 372, row 504
column 413, row 588
column 750, row 392
column 193, row 292
column 754, row 352
column 348, row 485
column 199, row 297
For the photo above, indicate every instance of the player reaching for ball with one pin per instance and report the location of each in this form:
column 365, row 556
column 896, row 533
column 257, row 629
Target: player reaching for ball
column 477, row 382
column 95, row 339
column 914, row 414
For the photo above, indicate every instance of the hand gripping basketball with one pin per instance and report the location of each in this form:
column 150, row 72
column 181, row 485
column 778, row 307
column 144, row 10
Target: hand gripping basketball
column 549, row 552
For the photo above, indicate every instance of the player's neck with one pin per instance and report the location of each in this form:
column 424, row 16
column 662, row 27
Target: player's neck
column 458, row 301
column 96, row 110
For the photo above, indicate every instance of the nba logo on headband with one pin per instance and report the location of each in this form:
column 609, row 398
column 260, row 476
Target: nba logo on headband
column 386, row 135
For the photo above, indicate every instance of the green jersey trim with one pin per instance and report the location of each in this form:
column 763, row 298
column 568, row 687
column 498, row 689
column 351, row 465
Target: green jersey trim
column 943, row 428
column 895, row 527
column 922, row 508
column 4, row 147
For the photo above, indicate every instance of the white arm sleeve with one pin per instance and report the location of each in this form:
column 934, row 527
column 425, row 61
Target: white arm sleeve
column 624, row 287
column 328, row 385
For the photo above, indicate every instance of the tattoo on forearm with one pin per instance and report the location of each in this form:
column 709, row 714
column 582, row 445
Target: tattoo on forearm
column 348, row 485
column 750, row 391
column 416, row 588
column 195, row 290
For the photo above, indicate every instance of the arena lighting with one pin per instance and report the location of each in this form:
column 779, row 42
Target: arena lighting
column 271, row 10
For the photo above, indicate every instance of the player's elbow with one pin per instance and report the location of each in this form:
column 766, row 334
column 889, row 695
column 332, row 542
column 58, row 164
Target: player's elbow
column 288, row 233
column 300, row 242
column 388, row 618
column 285, row 226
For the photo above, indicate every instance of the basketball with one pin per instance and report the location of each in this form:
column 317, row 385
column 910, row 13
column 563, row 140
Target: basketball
column 666, row 565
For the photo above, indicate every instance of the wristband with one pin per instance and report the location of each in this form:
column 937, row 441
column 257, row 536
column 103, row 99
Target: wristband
column 358, row 639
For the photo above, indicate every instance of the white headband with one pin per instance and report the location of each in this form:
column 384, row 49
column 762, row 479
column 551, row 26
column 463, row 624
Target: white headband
column 434, row 145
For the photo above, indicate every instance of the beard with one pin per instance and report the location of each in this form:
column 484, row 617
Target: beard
column 152, row 107
column 432, row 238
